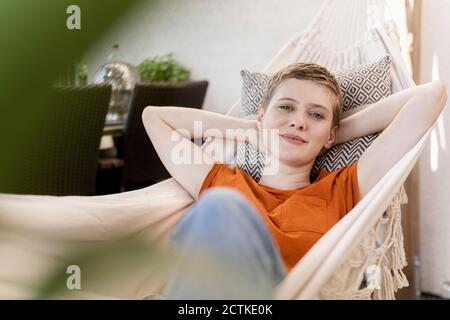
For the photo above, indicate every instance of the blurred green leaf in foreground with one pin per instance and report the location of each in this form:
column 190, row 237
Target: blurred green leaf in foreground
column 98, row 270
column 37, row 49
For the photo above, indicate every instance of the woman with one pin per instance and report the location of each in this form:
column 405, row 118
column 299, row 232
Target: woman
column 253, row 233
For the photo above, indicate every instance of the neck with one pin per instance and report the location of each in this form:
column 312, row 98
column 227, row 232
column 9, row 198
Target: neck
column 285, row 177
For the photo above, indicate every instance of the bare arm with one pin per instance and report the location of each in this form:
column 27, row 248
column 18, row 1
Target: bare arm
column 405, row 117
column 171, row 129
column 375, row 117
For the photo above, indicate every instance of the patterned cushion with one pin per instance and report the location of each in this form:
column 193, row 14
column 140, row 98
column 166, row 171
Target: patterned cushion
column 360, row 85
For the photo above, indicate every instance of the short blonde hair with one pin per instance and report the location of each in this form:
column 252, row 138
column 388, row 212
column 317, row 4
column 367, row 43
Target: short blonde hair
column 306, row 71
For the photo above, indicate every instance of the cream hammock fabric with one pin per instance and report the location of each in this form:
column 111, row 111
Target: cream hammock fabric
column 366, row 244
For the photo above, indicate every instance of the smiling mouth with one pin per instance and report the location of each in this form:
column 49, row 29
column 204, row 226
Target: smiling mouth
column 293, row 140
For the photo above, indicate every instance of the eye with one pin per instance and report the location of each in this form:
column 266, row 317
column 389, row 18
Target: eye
column 316, row 115
column 286, row 107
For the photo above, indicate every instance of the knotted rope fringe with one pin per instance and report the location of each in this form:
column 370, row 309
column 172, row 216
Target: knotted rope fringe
column 386, row 259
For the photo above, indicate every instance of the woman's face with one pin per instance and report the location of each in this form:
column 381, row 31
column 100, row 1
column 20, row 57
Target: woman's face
column 302, row 111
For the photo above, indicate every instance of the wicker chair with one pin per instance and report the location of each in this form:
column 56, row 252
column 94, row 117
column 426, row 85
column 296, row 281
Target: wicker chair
column 142, row 166
column 63, row 159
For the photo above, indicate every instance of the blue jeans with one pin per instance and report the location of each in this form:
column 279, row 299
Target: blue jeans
column 224, row 251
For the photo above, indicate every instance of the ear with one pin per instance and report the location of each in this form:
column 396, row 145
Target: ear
column 329, row 143
column 331, row 138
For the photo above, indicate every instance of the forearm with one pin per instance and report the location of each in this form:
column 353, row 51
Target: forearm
column 195, row 123
column 378, row 116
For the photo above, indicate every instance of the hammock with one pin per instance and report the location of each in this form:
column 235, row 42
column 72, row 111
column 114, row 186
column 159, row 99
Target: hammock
column 361, row 257
column 367, row 244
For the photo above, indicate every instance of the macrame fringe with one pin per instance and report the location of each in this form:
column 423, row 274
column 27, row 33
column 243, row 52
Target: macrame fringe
column 387, row 260
column 393, row 257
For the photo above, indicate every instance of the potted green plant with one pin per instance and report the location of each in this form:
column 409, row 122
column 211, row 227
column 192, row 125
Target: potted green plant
column 163, row 69
column 81, row 73
column 166, row 82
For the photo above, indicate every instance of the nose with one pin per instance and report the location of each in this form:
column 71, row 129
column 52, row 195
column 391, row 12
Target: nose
column 298, row 121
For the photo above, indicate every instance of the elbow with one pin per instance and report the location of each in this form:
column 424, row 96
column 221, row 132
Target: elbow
column 149, row 114
column 439, row 85
column 441, row 92
column 438, row 89
column 436, row 93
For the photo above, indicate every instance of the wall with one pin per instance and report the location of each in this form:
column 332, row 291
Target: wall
column 434, row 170
column 216, row 39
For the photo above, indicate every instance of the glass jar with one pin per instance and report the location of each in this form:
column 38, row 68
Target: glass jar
column 122, row 77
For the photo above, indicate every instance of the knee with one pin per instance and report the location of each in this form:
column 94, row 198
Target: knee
column 220, row 213
column 218, row 207
column 221, row 196
column 224, row 201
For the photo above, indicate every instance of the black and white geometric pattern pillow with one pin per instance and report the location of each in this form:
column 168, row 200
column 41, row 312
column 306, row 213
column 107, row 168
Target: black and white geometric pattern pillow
column 249, row 159
column 360, row 85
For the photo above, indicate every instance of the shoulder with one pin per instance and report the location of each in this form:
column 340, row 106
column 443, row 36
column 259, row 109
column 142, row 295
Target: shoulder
column 343, row 181
column 349, row 170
